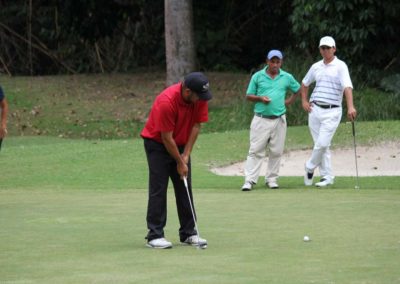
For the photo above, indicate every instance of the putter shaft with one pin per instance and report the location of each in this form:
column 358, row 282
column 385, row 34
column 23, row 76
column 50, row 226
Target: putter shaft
column 192, row 209
column 355, row 152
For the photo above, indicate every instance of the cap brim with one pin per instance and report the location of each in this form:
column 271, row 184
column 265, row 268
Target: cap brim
column 205, row 96
column 326, row 44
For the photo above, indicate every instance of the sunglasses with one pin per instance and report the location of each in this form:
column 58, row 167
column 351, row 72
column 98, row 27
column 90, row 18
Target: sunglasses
column 325, row 47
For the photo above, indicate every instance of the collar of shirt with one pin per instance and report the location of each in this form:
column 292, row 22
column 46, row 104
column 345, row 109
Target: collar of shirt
column 268, row 75
column 181, row 101
column 333, row 62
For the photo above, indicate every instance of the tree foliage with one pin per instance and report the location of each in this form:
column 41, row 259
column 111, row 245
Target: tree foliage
column 366, row 31
column 122, row 35
column 238, row 34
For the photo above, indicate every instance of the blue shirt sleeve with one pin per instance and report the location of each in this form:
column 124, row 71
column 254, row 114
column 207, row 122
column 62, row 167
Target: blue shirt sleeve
column 1, row 94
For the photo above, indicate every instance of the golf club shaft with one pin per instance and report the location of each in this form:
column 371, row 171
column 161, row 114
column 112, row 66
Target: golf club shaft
column 192, row 209
column 355, row 151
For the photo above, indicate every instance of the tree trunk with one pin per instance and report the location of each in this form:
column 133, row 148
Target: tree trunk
column 179, row 39
column 30, row 38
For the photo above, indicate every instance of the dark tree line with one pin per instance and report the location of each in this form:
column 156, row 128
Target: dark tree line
column 54, row 36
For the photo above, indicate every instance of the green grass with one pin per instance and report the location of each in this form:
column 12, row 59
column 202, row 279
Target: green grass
column 73, row 210
column 85, row 236
column 55, row 163
column 115, row 106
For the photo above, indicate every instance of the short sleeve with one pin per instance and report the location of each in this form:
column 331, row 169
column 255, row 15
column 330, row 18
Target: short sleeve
column 294, row 86
column 310, row 77
column 252, row 88
column 164, row 118
column 345, row 77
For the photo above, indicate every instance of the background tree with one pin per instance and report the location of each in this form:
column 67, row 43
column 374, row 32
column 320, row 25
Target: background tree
column 366, row 32
column 87, row 36
column 179, row 39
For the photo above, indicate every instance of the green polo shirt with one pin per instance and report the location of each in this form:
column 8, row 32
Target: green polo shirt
column 261, row 84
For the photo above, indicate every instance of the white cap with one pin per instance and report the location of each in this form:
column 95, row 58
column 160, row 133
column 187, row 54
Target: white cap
column 274, row 53
column 327, row 41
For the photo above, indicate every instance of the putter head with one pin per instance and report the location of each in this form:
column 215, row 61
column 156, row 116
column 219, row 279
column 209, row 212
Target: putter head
column 204, row 246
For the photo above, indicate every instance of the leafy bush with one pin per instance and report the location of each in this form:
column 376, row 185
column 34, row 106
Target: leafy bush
column 391, row 83
column 360, row 28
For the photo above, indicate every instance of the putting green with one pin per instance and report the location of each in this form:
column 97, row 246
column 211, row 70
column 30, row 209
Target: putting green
column 86, row 236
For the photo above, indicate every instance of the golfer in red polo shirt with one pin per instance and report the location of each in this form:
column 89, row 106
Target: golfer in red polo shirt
column 169, row 135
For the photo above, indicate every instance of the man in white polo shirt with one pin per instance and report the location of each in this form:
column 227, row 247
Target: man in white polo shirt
column 325, row 108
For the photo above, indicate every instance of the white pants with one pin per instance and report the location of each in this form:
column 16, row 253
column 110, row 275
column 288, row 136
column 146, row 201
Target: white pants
column 322, row 124
column 265, row 132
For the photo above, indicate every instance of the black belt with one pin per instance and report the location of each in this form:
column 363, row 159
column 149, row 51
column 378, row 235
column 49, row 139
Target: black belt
column 324, row 106
column 267, row 116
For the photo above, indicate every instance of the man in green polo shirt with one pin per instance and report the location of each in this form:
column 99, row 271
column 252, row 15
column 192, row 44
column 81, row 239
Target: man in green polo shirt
column 267, row 89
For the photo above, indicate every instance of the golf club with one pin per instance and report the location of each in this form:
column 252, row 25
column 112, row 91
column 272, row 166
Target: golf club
column 200, row 246
column 1, row 141
column 355, row 153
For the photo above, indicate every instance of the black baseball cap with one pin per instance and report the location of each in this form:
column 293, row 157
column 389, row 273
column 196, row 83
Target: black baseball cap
column 198, row 83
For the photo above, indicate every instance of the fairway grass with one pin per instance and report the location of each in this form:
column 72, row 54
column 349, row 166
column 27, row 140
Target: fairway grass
column 74, row 211
column 86, row 236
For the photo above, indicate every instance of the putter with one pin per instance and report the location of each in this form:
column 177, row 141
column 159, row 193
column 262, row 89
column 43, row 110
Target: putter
column 199, row 246
column 355, row 153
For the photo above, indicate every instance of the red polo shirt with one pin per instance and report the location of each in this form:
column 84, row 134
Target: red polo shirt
column 171, row 113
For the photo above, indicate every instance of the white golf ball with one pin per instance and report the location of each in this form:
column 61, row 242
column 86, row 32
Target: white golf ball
column 306, row 238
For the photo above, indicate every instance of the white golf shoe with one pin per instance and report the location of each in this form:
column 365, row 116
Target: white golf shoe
column 160, row 243
column 194, row 240
column 272, row 185
column 324, row 182
column 247, row 186
column 308, row 177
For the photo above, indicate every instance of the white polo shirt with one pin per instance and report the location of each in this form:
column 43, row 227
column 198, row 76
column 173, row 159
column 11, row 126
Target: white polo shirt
column 331, row 80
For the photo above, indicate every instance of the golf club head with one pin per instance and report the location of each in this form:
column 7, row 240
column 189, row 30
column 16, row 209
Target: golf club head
column 204, row 246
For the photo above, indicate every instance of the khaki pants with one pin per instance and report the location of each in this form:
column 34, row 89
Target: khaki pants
column 265, row 132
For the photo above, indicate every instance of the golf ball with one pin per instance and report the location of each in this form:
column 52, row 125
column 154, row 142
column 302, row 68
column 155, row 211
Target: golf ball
column 357, row 187
column 306, row 238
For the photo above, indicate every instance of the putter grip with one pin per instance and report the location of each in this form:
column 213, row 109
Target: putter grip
column 352, row 126
column 185, row 182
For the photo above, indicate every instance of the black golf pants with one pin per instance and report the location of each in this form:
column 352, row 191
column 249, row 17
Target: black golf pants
column 163, row 167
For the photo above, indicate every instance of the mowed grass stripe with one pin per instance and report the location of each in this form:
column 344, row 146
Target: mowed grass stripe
column 85, row 236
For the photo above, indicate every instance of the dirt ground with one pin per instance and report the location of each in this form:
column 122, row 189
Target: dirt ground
column 380, row 160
